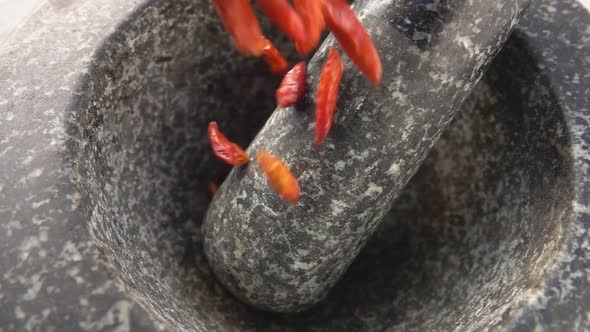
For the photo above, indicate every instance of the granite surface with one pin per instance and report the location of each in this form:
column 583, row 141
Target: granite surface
column 51, row 279
column 285, row 258
column 492, row 234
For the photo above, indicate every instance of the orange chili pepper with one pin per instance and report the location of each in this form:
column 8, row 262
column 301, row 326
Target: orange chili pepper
column 292, row 88
column 273, row 57
column 285, row 17
column 354, row 39
column 327, row 94
column 213, row 187
column 224, row 149
column 240, row 21
column 311, row 14
column 279, row 176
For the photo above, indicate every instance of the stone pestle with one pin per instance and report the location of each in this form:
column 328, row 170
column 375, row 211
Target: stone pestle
column 285, row 258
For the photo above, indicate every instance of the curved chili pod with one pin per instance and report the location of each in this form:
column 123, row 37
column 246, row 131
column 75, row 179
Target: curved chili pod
column 327, row 94
column 275, row 60
column 292, row 88
column 311, row 14
column 224, row 149
column 240, row 21
column 279, row 176
column 355, row 41
column 285, row 17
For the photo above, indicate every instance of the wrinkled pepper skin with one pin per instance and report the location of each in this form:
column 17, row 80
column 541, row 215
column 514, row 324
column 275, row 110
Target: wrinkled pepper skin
column 327, row 95
column 224, row 149
column 292, row 88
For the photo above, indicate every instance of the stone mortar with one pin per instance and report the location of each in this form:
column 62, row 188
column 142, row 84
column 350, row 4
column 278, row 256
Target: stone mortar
column 464, row 248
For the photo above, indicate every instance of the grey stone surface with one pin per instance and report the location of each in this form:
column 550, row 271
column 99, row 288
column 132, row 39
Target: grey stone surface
column 50, row 278
column 285, row 258
column 492, row 233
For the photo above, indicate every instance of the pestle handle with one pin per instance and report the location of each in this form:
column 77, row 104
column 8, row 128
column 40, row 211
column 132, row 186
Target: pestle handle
column 285, row 258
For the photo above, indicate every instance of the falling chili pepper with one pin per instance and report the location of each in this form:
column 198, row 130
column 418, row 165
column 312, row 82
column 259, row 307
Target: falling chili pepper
column 213, row 187
column 239, row 19
column 224, row 149
column 285, row 17
column 279, row 176
column 311, row 14
column 355, row 41
column 292, row 88
column 327, row 94
column 275, row 60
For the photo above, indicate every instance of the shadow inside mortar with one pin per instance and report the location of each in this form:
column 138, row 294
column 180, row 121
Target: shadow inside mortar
column 473, row 232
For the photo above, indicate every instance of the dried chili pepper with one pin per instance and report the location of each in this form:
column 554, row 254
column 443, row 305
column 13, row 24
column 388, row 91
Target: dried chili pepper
column 292, row 88
column 355, row 41
column 311, row 14
column 224, row 149
column 273, row 57
column 240, row 21
column 213, row 187
column 285, row 17
column 279, row 176
column 327, row 94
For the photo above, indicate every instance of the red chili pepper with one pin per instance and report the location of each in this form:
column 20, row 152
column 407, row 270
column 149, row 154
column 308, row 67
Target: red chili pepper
column 327, row 95
column 292, row 88
column 313, row 21
column 279, row 176
column 354, row 39
column 275, row 60
column 285, row 17
column 240, row 21
column 224, row 149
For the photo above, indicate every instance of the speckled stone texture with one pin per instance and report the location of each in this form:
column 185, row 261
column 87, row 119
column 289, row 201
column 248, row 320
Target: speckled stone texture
column 491, row 234
column 50, row 278
column 285, row 258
